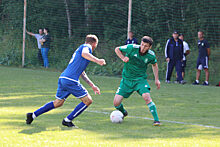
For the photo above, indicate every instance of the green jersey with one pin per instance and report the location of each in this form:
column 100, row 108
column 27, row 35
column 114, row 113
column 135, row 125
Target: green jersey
column 135, row 68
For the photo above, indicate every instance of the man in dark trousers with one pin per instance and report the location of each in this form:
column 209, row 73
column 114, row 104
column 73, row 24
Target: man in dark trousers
column 131, row 40
column 174, row 57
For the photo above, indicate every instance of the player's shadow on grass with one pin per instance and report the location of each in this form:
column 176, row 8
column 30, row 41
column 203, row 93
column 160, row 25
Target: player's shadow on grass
column 100, row 124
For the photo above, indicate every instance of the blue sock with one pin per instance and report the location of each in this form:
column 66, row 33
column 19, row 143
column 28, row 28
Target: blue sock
column 77, row 111
column 47, row 107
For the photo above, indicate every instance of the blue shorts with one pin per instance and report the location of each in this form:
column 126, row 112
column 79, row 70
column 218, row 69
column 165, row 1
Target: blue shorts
column 202, row 63
column 67, row 87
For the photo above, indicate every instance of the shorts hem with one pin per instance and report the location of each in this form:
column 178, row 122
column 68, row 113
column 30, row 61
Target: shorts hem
column 60, row 98
column 82, row 96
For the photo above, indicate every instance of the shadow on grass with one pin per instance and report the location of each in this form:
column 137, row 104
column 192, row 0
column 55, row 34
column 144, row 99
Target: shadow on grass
column 100, row 124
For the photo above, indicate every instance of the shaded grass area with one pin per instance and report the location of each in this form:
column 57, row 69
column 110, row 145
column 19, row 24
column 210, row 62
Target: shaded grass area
column 25, row 90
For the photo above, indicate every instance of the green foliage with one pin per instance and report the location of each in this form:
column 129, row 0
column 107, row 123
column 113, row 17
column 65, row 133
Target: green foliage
column 108, row 20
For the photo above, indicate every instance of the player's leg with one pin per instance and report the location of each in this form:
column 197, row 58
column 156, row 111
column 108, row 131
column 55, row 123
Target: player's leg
column 40, row 57
column 143, row 88
column 61, row 95
column 152, row 108
column 81, row 93
column 170, row 66
column 46, row 57
column 183, row 68
column 118, row 104
column 124, row 91
column 86, row 101
column 178, row 66
column 198, row 72
column 47, row 107
column 43, row 56
column 205, row 67
column 206, row 75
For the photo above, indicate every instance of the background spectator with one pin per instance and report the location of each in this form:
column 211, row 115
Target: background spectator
column 186, row 52
column 131, row 40
column 174, row 57
column 45, row 47
column 38, row 37
column 202, row 61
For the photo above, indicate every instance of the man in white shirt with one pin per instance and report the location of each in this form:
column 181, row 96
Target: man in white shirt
column 186, row 52
column 38, row 37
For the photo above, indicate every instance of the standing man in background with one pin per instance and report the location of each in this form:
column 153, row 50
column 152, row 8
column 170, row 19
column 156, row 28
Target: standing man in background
column 186, row 52
column 174, row 57
column 45, row 47
column 38, row 37
column 131, row 40
column 202, row 61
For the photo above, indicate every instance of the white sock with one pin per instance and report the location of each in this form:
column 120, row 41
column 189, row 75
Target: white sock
column 206, row 82
column 67, row 120
column 197, row 81
column 33, row 116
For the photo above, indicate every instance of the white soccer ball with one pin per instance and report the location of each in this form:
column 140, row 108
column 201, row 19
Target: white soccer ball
column 116, row 116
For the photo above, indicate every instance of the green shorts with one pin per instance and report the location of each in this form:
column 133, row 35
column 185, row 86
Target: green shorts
column 127, row 87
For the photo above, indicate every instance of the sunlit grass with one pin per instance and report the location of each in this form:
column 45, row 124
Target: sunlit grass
column 25, row 90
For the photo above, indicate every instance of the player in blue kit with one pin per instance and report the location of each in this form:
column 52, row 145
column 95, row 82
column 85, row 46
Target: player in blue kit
column 68, row 83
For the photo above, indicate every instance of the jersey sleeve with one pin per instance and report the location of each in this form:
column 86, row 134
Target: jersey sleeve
column 85, row 50
column 126, row 48
column 154, row 59
column 186, row 46
column 36, row 36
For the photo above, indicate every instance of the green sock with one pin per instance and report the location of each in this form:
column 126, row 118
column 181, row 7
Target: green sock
column 120, row 108
column 153, row 110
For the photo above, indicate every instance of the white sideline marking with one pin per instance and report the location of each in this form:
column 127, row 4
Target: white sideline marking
column 169, row 121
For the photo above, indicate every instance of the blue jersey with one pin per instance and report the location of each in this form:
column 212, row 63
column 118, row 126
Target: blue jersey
column 77, row 64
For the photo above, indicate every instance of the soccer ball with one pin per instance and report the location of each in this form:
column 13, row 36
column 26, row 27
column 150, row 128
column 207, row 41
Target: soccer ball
column 116, row 117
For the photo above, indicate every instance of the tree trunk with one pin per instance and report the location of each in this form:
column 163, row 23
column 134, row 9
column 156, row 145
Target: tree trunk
column 86, row 7
column 68, row 18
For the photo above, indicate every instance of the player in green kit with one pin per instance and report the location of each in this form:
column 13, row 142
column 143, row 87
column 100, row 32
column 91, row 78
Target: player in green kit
column 134, row 74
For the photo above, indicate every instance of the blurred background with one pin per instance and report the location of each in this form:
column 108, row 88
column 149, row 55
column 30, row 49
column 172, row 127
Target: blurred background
column 69, row 21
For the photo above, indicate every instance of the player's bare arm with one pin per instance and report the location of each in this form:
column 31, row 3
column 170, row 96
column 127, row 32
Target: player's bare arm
column 120, row 55
column 187, row 52
column 30, row 33
column 92, row 58
column 90, row 83
column 155, row 70
column 209, row 52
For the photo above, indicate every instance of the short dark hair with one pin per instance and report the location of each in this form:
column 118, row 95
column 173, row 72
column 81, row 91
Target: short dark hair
column 91, row 38
column 47, row 30
column 201, row 32
column 147, row 39
column 181, row 34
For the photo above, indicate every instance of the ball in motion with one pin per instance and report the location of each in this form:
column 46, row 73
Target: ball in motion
column 116, row 117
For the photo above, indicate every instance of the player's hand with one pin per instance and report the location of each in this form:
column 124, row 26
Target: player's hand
column 157, row 83
column 96, row 90
column 167, row 59
column 126, row 59
column 101, row 62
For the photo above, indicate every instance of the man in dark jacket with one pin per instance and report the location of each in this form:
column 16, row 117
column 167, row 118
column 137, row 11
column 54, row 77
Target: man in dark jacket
column 131, row 40
column 174, row 57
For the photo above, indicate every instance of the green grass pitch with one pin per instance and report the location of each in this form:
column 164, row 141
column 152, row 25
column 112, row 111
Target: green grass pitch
column 25, row 90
